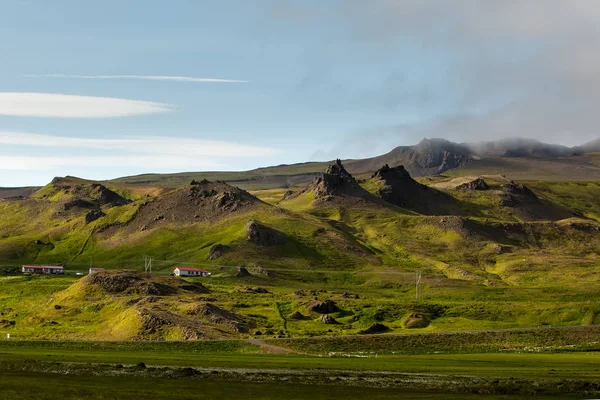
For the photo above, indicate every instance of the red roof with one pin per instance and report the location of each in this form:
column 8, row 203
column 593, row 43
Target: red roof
column 43, row 266
column 191, row 269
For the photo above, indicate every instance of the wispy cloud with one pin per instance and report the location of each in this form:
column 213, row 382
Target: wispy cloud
column 147, row 163
column 71, row 106
column 160, row 145
column 141, row 77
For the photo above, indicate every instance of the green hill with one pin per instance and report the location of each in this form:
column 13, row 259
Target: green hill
column 492, row 253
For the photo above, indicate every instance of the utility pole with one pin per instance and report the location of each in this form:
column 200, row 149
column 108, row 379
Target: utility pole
column 148, row 265
column 418, row 286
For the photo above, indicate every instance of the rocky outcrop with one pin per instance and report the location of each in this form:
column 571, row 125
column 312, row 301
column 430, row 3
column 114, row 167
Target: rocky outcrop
column 93, row 215
column 400, row 189
column 334, row 181
column 216, row 251
column 130, row 282
column 193, row 203
column 262, row 235
column 297, row 315
column 242, row 272
column 476, row 184
column 221, row 316
column 375, row 328
column 325, row 307
column 514, row 195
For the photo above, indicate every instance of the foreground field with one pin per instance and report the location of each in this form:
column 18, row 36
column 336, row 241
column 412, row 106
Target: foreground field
column 45, row 370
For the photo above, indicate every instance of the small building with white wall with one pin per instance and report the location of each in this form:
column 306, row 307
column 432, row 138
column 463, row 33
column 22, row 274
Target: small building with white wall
column 43, row 269
column 185, row 271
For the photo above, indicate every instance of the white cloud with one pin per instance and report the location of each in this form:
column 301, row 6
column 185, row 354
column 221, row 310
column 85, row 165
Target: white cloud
column 141, row 77
column 175, row 146
column 70, row 106
column 143, row 163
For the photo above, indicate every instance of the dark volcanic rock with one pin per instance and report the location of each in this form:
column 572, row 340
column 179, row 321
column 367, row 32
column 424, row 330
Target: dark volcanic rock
column 375, row 328
column 297, row 315
column 221, row 316
column 93, row 215
column 136, row 282
column 400, row 189
column 514, row 194
column 79, row 203
column 217, row 251
column 326, row 307
column 242, row 272
column 260, row 234
column 106, row 196
column 476, row 184
column 336, row 180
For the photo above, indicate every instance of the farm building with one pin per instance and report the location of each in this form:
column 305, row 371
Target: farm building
column 184, row 271
column 92, row 270
column 43, row 269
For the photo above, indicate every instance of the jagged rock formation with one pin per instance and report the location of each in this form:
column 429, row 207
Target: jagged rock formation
column 325, row 307
column 476, row 184
column 335, row 181
column 87, row 195
column 216, row 251
column 262, row 235
column 400, row 189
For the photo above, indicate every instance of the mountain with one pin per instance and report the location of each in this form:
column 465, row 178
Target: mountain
column 518, row 147
column 517, row 158
column 590, row 147
column 428, row 157
column 17, row 191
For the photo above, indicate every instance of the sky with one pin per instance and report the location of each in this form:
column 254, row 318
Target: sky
column 102, row 89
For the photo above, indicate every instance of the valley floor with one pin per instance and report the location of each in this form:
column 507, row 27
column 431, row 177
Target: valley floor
column 181, row 370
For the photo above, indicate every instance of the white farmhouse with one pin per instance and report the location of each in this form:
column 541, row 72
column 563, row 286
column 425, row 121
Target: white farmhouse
column 185, row 271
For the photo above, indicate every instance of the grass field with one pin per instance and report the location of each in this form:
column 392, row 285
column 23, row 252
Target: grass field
column 112, row 370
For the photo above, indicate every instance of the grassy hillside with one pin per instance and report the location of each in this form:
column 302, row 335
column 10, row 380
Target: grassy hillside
column 512, row 255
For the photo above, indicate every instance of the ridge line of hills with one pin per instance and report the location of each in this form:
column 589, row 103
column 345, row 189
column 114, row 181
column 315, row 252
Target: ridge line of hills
column 336, row 256
column 428, row 157
column 516, row 158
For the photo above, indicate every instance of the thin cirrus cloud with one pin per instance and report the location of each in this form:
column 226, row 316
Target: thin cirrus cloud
column 72, row 106
column 141, row 77
column 159, row 145
column 149, row 162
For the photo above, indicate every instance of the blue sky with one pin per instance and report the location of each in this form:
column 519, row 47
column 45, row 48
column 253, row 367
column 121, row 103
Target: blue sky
column 112, row 88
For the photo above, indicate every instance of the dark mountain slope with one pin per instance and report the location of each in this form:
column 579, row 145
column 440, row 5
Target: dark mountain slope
column 397, row 187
